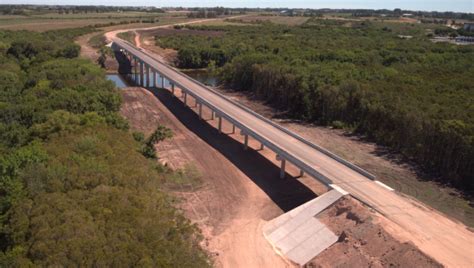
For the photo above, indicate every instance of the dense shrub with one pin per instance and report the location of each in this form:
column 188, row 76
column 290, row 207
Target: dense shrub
column 75, row 189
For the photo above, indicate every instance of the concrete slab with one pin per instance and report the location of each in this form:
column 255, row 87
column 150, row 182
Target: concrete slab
column 308, row 209
column 311, row 247
column 298, row 235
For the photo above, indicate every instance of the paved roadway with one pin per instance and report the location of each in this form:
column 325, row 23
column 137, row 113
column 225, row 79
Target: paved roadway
column 447, row 241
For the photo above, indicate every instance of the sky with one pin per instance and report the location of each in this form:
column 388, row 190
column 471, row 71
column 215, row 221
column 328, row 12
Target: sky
column 426, row 5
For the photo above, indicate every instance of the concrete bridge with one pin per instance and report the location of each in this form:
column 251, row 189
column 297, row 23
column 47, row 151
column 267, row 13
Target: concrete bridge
column 435, row 233
column 288, row 146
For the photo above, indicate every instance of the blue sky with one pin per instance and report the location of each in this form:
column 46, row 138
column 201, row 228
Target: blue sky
column 438, row 5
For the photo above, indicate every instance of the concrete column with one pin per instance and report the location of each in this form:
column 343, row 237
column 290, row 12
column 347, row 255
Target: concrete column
column 200, row 110
column 141, row 74
column 212, row 114
column 301, row 173
column 185, row 97
column 220, row 124
column 147, row 75
column 261, row 146
column 246, row 141
column 282, row 169
column 162, row 81
column 282, row 166
column 233, row 129
column 172, row 89
column 154, row 78
column 135, row 70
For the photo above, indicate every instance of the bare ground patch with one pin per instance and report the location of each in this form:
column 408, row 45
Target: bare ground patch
column 363, row 242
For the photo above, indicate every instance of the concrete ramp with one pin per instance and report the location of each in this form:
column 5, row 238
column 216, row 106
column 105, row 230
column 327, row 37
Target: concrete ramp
column 298, row 235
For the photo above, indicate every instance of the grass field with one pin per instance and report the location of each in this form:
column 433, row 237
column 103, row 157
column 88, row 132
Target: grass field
column 54, row 21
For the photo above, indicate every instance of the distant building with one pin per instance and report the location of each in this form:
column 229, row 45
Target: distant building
column 407, row 15
column 469, row 27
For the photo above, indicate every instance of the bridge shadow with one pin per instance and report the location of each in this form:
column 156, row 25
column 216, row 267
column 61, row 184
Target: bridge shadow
column 286, row 193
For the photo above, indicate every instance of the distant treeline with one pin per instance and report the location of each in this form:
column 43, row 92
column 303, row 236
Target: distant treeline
column 414, row 96
column 75, row 187
column 397, row 12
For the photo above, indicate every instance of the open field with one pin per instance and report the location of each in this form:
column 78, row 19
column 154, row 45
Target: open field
column 127, row 14
column 54, row 21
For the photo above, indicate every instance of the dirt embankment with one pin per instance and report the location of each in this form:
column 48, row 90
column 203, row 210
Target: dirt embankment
column 363, row 242
column 231, row 205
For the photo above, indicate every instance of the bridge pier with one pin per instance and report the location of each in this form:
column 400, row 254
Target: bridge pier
column 147, row 68
column 301, row 173
column 220, row 124
column 261, row 146
column 141, row 74
column 282, row 169
column 233, row 129
column 185, row 98
column 282, row 166
column 212, row 114
column 154, row 78
column 162, row 81
column 172, row 89
column 135, row 70
column 246, row 141
column 200, row 110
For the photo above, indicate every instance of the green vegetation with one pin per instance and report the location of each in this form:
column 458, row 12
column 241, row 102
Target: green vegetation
column 128, row 36
column 75, row 187
column 160, row 134
column 409, row 94
column 97, row 41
